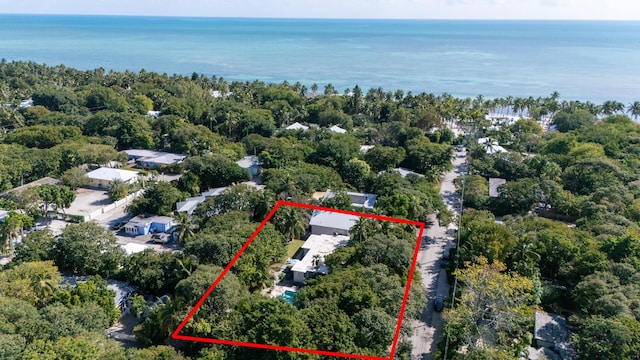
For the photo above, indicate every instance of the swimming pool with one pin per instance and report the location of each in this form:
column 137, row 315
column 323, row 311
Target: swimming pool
column 289, row 296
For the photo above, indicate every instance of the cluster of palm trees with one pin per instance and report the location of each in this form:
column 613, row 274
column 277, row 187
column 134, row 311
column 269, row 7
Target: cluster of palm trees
column 291, row 221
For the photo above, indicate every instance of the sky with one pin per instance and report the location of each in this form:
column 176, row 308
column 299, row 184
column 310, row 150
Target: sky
column 371, row 9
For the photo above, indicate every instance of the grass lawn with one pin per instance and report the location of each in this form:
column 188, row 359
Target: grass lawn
column 292, row 248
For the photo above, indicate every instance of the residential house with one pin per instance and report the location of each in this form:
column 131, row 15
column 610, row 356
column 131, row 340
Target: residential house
column 140, row 225
column 251, row 164
column 404, row 172
column 311, row 256
column 25, row 104
column 149, row 159
column 297, row 126
column 100, row 178
column 491, row 146
column 365, row 148
column 41, row 181
column 190, row 204
column 360, row 200
column 331, row 223
column 494, row 184
column 551, row 332
column 337, row 129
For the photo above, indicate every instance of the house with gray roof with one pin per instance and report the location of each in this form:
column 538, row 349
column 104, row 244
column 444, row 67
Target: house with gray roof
column 150, row 159
column 361, row 200
column 190, row 204
column 331, row 223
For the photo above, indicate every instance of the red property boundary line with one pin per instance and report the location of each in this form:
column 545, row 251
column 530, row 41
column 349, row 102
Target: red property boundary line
column 176, row 333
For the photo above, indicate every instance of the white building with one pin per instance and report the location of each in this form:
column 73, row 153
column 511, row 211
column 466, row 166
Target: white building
column 365, row 148
column 337, row 129
column 314, row 251
column 100, row 178
column 331, row 223
column 297, row 126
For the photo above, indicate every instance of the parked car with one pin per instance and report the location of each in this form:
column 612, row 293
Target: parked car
column 438, row 303
column 118, row 225
column 160, row 238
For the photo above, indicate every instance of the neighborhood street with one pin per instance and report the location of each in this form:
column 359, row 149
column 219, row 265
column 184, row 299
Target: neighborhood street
column 428, row 330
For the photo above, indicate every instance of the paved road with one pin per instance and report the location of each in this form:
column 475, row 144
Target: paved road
column 428, row 330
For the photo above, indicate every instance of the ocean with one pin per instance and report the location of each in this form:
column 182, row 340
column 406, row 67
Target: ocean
column 582, row 60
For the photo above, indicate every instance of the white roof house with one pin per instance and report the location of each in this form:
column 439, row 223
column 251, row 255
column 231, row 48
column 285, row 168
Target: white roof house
column 491, row 146
column 337, row 129
column 314, row 251
column 190, row 204
column 357, row 199
column 365, row 148
column 331, row 223
column 213, row 192
column 105, row 175
column 297, row 126
column 404, row 172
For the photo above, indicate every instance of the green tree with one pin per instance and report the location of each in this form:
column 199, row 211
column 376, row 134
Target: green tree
column 159, row 198
column 290, row 221
column 384, row 157
column 11, row 226
column 74, row 178
column 567, row 121
column 375, row 329
column 355, row 173
column 88, row 248
column 221, row 300
column 493, row 306
column 117, row 189
column 602, row 338
column 37, row 246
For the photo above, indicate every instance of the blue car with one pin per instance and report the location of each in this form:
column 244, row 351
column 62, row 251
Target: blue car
column 438, row 303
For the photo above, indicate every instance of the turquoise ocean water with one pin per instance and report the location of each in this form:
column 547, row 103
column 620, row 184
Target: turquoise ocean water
column 582, row 60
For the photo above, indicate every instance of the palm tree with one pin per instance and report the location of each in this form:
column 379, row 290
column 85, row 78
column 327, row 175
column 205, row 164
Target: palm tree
column 44, row 284
column 634, row 109
column 184, row 225
column 363, row 229
column 290, row 221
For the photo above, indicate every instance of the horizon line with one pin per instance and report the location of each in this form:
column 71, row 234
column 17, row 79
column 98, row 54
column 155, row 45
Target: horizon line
column 325, row 18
